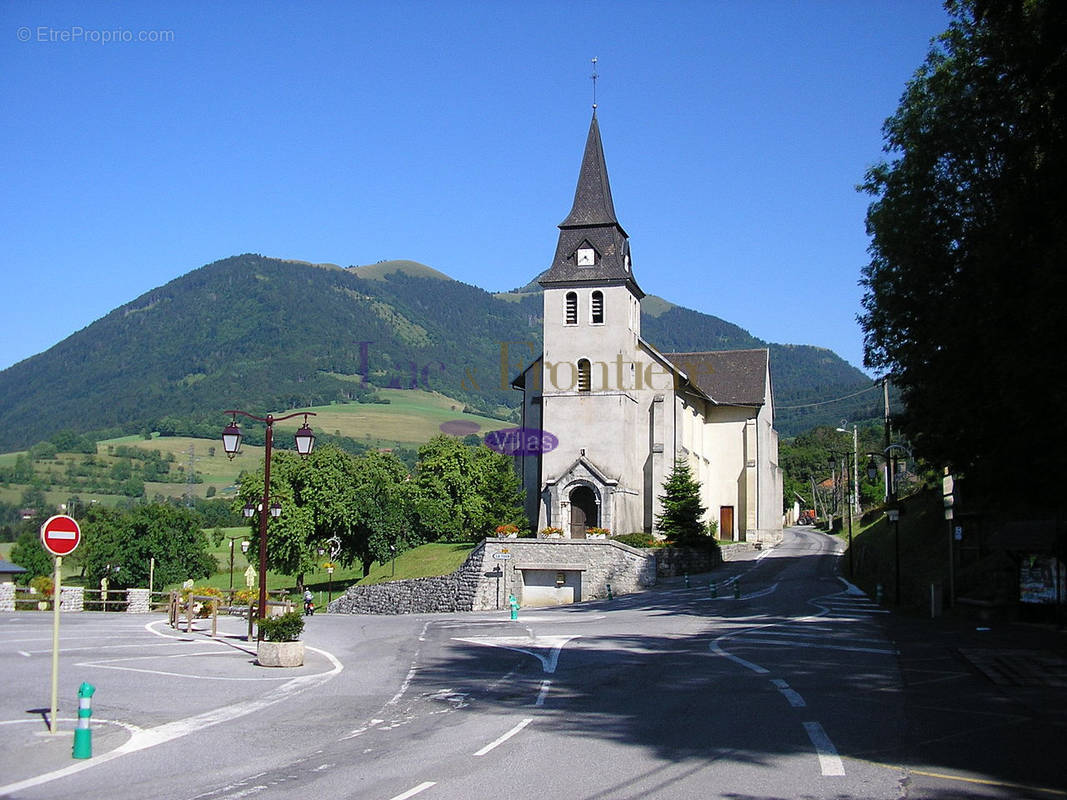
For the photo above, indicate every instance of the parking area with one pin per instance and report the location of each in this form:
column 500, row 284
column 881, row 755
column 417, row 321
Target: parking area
column 153, row 684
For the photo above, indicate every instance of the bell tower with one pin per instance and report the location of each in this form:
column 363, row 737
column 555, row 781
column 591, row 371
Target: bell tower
column 592, row 303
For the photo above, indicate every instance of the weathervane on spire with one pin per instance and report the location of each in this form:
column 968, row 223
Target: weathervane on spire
column 594, row 76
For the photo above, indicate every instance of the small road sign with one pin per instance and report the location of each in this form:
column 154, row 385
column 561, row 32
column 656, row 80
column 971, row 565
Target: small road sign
column 60, row 535
column 502, row 556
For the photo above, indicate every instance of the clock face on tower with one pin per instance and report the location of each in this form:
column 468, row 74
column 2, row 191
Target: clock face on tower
column 585, row 256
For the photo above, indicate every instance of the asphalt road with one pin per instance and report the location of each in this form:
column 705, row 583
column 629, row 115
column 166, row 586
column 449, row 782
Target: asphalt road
column 793, row 689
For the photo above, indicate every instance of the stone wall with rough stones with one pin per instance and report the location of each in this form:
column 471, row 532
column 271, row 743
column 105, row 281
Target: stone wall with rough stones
column 7, row 597
column 453, row 592
column 138, row 601
column 671, row 561
column 71, row 598
column 484, row 582
column 601, row 561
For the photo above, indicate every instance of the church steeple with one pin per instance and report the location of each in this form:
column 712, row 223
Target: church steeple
column 592, row 247
column 592, row 196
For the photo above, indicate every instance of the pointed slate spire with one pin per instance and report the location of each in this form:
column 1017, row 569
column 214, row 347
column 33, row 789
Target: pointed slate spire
column 592, row 196
column 592, row 225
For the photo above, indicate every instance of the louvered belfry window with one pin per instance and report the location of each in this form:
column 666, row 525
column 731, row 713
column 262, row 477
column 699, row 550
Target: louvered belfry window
column 572, row 308
column 598, row 307
column 584, row 375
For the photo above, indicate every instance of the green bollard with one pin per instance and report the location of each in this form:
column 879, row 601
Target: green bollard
column 878, row 594
column 83, row 736
column 514, row 606
column 609, row 593
column 713, row 589
column 737, row 590
column 687, row 580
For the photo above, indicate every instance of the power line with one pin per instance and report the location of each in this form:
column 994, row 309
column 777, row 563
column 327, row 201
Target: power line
column 835, row 400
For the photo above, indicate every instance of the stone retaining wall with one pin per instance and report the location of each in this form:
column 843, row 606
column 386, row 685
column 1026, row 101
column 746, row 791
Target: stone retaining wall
column 732, row 552
column 495, row 569
column 453, row 592
column 671, row 561
column 7, row 597
column 600, row 561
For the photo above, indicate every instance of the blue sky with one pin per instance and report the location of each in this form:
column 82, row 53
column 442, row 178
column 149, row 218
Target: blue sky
column 448, row 133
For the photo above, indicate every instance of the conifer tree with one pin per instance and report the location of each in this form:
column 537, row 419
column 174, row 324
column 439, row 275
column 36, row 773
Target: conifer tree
column 682, row 509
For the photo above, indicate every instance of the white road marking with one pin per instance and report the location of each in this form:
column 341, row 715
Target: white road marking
column 140, row 645
column 829, row 761
column 150, row 737
column 794, row 698
column 505, row 737
column 805, row 633
column 411, row 670
column 523, row 644
column 541, row 695
column 23, row 653
column 716, row 648
column 817, row 646
column 414, row 790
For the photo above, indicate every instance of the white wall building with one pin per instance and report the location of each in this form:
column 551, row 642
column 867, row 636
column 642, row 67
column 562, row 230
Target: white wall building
column 623, row 412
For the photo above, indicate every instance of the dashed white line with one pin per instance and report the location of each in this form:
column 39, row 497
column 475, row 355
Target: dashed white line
column 794, row 698
column 414, row 790
column 543, row 693
column 499, row 741
column 716, row 648
column 829, row 761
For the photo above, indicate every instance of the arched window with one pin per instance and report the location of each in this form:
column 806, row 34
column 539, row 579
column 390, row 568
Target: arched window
column 597, row 307
column 572, row 308
column 584, row 375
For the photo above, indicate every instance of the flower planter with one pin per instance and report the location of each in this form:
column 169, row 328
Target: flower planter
column 280, row 654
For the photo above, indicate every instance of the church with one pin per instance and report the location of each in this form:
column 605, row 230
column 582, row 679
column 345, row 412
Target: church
column 622, row 413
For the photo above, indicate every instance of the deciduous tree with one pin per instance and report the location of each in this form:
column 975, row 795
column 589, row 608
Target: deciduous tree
column 963, row 302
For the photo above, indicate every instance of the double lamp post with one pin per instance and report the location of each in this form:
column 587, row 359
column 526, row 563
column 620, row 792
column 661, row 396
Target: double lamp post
column 231, row 443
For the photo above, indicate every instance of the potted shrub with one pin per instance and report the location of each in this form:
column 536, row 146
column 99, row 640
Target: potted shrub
column 279, row 641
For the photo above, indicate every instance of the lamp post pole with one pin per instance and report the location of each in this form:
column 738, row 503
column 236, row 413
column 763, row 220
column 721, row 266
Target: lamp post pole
column 231, row 443
column 892, row 509
column 244, row 549
column 844, row 479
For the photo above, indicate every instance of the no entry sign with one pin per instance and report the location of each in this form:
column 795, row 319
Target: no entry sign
column 60, row 535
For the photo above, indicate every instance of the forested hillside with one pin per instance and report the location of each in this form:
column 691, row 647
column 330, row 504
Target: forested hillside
column 267, row 334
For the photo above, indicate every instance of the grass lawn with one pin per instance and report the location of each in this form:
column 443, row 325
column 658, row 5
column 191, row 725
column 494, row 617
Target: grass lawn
column 411, row 417
column 420, row 562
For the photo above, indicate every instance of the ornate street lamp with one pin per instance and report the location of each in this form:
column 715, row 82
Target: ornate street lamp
column 231, row 443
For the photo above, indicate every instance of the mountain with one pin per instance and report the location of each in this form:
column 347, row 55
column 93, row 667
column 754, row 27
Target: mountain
column 270, row 334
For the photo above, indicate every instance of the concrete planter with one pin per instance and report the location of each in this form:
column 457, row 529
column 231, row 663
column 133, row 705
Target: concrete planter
column 280, row 654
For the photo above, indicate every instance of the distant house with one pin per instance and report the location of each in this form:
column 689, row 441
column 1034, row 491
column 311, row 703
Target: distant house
column 27, row 513
column 9, row 572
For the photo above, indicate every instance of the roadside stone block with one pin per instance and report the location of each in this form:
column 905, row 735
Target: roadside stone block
column 138, row 601
column 72, row 598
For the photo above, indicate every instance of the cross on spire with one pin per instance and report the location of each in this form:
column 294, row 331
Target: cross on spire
column 594, row 76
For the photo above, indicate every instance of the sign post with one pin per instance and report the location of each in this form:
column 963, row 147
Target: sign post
column 60, row 535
